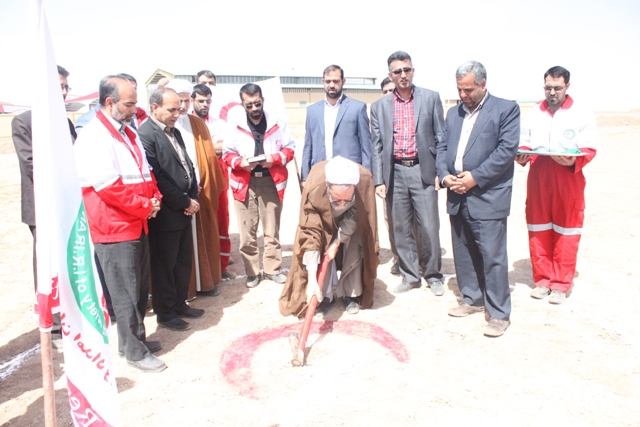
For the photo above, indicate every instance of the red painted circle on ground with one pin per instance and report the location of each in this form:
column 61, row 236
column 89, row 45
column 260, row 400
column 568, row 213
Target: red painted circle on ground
column 235, row 362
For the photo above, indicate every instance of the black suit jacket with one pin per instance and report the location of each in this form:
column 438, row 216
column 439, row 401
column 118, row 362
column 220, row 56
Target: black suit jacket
column 22, row 140
column 172, row 179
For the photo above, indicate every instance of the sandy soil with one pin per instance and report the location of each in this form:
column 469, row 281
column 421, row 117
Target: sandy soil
column 405, row 362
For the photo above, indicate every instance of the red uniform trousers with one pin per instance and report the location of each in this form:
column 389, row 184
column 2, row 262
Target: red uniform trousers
column 223, row 219
column 555, row 213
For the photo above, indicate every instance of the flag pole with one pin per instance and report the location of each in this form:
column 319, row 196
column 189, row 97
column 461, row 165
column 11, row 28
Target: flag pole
column 47, row 380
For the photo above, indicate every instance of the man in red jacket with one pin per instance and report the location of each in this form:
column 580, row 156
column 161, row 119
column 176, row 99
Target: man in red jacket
column 120, row 195
column 257, row 149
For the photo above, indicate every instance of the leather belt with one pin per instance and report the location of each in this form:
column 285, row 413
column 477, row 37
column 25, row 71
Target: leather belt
column 406, row 162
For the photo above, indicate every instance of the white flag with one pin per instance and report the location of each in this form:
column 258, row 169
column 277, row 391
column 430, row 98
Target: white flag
column 64, row 249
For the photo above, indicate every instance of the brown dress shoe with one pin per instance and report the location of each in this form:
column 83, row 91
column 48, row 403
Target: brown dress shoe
column 496, row 327
column 464, row 310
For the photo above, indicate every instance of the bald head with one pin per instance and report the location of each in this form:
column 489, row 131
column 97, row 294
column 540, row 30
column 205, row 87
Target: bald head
column 118, row 99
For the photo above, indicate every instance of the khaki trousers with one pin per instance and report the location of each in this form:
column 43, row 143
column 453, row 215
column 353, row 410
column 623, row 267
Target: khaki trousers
column 261, row 205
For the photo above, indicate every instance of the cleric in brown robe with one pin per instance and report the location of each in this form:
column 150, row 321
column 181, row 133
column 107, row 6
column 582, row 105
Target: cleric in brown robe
column 337, row 216
column 210, row 176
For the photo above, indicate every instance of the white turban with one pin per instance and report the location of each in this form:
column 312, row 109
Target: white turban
column 342, row 171
column 180, row 86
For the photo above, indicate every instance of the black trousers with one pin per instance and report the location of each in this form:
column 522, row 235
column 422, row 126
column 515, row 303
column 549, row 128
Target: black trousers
column 171, row 263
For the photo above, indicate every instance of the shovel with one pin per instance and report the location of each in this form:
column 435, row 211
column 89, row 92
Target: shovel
column 298, row 346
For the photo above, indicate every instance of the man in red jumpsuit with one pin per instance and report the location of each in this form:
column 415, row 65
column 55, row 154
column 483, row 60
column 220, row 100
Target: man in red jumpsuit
column 555, row 186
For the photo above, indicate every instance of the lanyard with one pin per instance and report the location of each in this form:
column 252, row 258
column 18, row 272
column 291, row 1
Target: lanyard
column 135, row 151
column 137, row 155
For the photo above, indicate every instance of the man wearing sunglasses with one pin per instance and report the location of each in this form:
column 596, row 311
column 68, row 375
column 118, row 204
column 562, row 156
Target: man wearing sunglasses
column 337, row 218
column 405, row 129
column 555, row 186
column 257, row 149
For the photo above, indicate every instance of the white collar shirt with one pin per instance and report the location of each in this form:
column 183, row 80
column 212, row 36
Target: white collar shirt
column 467, row 127
column 330, row 117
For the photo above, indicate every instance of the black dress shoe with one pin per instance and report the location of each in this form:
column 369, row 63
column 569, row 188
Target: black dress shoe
column 323, row 307
column 351, row 305
column 192, row 313
column 175, row 324
column 210, row 293
column 395, row 269
column 252, row 281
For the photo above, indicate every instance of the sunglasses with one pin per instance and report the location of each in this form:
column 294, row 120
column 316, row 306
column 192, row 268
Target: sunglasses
column 399, row 71
column 250, row 105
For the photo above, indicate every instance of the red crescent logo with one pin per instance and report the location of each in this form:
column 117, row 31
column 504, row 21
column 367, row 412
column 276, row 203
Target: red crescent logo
column 224, row 111
column 235, row 362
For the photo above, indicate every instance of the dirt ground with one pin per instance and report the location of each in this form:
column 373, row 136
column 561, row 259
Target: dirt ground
column 405, row 362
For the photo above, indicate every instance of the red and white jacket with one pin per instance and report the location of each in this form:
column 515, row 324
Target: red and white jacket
column 240, row 144
column 116, row 180
column 572, row 126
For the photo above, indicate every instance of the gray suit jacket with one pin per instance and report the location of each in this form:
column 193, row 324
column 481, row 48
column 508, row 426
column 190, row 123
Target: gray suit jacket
column 429, row 122
column 489, row 156
column 172, row 179
column 351, row 137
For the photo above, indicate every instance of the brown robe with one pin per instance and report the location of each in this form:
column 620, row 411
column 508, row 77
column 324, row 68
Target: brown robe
column 315, row 231
column 207, row 234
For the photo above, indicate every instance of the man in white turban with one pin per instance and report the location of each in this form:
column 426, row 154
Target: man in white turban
column 337, row 218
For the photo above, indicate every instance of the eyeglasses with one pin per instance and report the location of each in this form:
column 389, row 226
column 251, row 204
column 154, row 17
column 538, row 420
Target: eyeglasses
column 204, row 101
column 399, row 71
column 250, row 105
column 554, row 88
column 337, row 201
column 65, row 87
column 386, row 91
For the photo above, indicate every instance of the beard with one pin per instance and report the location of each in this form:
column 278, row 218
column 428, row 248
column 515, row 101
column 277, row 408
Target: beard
column 202, row 112
column 121, row 117
column 338, row 211
column 256, row 114
column 333, row 95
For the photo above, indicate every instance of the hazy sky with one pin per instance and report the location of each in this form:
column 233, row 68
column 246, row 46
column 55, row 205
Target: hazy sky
column 515, row 40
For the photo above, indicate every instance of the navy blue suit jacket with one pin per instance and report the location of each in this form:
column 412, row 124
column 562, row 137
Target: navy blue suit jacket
column 351, row 137
column 489, row 156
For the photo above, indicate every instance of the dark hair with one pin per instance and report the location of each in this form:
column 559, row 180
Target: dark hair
column 63, row 72
column 202, row 90
column 206, row 73
column 250, row 89
column 385, row 82
column 157, row 95
column 398, row 56
column 558, row 71
column 108, row 88
column 127, row 77
column 333, row 68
